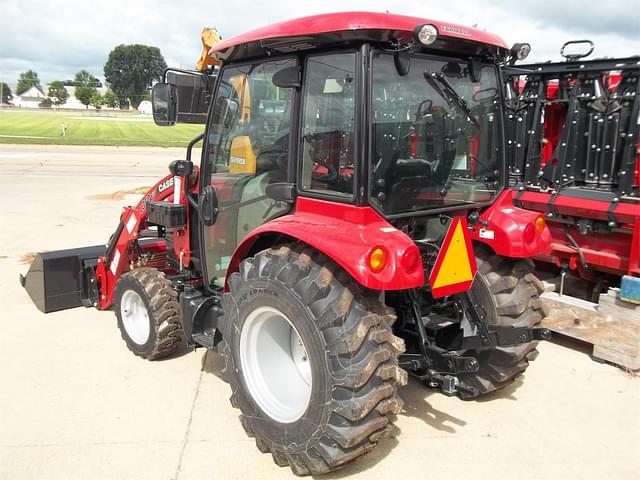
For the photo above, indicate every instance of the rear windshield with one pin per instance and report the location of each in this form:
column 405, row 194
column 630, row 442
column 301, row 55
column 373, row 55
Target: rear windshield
column 435, row 134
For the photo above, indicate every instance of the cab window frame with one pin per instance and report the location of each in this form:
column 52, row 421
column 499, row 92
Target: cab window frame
column 357, row 149
column 208, row 167
column 501, row 165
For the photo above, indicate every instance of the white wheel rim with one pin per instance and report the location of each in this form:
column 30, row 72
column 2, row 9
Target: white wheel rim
column 275, row 364
column 135, row 317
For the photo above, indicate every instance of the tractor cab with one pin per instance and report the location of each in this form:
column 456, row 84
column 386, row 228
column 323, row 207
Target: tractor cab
column 400, row 114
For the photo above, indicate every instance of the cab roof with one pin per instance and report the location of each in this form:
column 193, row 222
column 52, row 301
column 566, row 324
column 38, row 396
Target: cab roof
column 313, row 31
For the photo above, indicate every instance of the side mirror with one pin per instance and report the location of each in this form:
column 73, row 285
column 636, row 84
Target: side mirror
column 208, row 206
column 164, row 99
column 181, row 168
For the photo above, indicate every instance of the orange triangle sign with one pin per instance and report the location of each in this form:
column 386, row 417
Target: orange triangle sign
column 455, row 267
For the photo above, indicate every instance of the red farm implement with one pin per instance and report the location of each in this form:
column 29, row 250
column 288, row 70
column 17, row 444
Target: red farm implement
column 574, row 150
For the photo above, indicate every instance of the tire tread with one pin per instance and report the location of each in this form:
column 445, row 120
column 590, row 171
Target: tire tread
column 362, row 356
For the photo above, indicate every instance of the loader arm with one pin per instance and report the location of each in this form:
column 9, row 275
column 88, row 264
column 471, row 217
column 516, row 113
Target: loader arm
column 86, row 276
column 124, row 251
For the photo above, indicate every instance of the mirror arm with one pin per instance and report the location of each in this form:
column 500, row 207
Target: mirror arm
column 195, row 140
column 192, row 202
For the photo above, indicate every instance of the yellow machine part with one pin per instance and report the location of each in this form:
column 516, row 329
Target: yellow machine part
column 209, row 37
column 242, row 159
column 241, row 85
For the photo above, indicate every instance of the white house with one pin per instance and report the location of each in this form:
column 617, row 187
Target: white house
column 29, row 99
column 72, row 101
column 145, row 107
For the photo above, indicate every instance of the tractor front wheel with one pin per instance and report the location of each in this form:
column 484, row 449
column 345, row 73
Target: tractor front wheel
column 148, row 313
column 311, row 360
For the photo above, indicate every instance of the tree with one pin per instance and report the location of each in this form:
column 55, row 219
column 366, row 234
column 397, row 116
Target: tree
column 26, row 80
column 45, row 103
column 131, row 69
column 6, row 93
column 110, row 99
column 85, row 87
column 96, row 100
column 57, row 93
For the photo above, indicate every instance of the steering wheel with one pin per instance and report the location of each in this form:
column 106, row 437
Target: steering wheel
column 317, row 136
column 330, row 176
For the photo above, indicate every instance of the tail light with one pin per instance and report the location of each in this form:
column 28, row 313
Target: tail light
column 529, row 234
column 410, row 259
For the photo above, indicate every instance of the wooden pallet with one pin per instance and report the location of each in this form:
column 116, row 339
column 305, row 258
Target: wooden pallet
column 611, row 326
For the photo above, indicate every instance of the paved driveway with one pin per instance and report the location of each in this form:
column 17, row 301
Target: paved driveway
column 76, row 404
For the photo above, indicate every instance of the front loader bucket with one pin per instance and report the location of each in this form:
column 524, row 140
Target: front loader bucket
column 64, row 278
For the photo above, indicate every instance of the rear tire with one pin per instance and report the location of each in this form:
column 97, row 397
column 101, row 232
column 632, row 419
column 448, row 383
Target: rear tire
column 510, row 293
column 148, row 313
column 344, row 332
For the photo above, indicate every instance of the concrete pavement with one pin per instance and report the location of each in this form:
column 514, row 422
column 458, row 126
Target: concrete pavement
column 76, row 404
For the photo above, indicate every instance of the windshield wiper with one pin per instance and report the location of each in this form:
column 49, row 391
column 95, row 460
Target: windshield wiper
column 442, row 86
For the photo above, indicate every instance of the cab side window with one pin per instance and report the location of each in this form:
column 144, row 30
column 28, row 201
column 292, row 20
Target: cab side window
column 250, row 121
column 247, row 150
column 328, row 124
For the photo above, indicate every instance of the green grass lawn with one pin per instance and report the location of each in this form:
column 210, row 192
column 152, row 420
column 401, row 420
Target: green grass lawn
column 90, row 128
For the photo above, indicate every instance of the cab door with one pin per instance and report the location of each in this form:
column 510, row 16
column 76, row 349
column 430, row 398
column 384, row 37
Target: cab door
column 246, row 149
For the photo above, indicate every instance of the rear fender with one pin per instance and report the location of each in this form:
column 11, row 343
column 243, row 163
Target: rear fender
column 505, row 233
column 346, row 234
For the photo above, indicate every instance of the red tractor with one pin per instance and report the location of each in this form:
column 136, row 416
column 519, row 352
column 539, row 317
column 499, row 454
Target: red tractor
column 350, row 221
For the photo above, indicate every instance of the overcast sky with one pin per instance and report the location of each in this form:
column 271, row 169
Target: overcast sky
column 58, row 38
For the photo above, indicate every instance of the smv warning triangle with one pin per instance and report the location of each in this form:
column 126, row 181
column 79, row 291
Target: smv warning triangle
column 455, row 267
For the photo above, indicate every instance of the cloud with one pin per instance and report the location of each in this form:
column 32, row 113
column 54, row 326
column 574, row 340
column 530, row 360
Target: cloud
column 59, row 38
column 578, row 16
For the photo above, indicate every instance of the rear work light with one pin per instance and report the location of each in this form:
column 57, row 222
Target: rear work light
column 520, row 51
column 426, row 34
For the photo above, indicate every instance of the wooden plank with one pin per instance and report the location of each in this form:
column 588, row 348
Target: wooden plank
column 611, row 326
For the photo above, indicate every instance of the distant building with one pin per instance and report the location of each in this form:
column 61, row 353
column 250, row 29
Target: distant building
column 29, row 99
column 145, row 107
column 72, row 102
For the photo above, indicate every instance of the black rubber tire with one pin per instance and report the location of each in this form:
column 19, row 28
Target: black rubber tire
column 161, row 299
column 510, row 294
column 352, row 350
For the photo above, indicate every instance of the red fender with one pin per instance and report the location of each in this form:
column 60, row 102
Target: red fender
column 505, row 232
column 347, row 234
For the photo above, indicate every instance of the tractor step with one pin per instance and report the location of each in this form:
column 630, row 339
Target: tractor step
column 206, row 341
